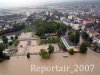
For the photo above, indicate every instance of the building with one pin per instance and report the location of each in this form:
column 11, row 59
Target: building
column 89, row 21
column 97, row 39
column 75, row 26
column 95, row 35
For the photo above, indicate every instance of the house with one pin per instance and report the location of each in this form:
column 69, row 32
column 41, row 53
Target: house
column 78, row 20
column 97, row 27
column 62, row 18
column 66, row 22
column 89, row 21
column 71, row 17
column 91, row 32
column 71, row 23
column 75, row 26
column 97, row 39
column 95, row 35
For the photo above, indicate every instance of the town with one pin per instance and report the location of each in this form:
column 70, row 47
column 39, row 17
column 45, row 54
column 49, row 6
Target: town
column 57, row 34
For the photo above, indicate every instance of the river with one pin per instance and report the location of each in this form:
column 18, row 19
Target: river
column 20, row 65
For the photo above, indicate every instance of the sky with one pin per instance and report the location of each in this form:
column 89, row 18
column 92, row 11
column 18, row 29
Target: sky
column 22, row 3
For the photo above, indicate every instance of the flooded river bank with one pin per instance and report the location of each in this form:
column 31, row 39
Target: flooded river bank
column 20, row 65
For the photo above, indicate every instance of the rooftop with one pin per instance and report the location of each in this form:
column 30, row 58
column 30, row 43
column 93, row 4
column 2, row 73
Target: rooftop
column 98, row 36
column 93, row 32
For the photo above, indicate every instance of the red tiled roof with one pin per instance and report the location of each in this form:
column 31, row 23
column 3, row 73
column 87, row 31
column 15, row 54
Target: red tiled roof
column 93, row 32
column 98, row 36
column 89, row 20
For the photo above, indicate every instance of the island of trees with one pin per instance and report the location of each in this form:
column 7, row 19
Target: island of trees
column 45, row 27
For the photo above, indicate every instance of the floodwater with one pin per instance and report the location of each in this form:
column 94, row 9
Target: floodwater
column 22, row 66
column 34, row 47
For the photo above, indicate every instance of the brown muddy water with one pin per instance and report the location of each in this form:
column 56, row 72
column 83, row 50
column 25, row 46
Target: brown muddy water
column 20, row 65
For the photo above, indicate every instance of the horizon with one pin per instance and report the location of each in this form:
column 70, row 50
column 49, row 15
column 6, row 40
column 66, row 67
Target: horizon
column 26, row 3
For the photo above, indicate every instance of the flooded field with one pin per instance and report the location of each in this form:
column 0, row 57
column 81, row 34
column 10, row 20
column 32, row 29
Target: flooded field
column 20, row 65
column 33, row 47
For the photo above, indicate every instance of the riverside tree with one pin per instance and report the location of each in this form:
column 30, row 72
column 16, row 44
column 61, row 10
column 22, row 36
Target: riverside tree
column 16, row 37
column 44, row 27
column 83, row 47
column 2, row 55
column 77, row 37
column 4, row 39
column 85, row 35
column 44, row 54
column 50, row 49
column 74, row 37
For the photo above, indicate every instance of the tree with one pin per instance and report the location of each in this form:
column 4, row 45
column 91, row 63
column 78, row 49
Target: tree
column 2, row 55
column 96, row 46
column 62, row 46
column 1, row 52
column 28, row 55
column 44, row 27
column 97, row 17
column 77, row 37
column 90, row 39
column 83, row 47
column 1, row 47
column 4, row 39
column 16, row 37
column 71, row 51
column 74, row 37
column 29, row 19
column 41, row 31
column 44, row 54
column 71, row 36
column 85, row 35
column 64, row 29
column 15, row 42
column 59, row 32
column 50, row 49
column 69, row 27
column 10, row 43
column 12, row 38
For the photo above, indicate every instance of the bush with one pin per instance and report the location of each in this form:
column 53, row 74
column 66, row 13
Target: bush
column 85, row 35
column 28, row 29
column 15, row 42
column 4, row 39
column 50, row 49
column 16, row 37
column 5, row 45
column 12, row 38
column 62, row 46
column 71, row 52
column 28, row 55
column 71, row 36
column 44, row 54
column 7, row 57
column 83, row 47
column 44, row 27
column 3, row 57
column 49, row 41
column 10, row 43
